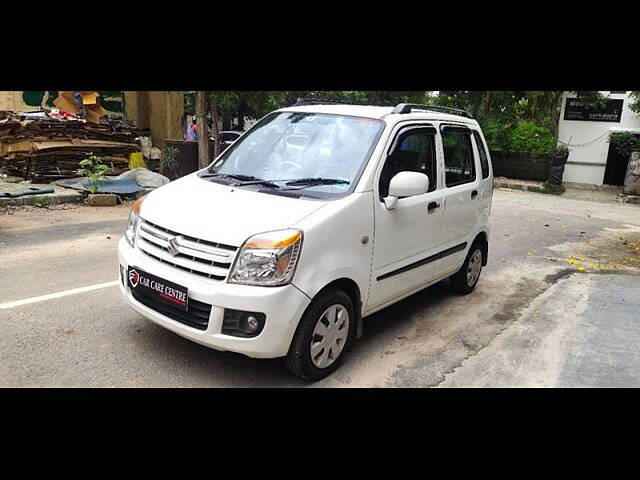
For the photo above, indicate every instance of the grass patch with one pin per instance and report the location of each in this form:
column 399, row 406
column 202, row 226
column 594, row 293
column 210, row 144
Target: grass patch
column 42, row 201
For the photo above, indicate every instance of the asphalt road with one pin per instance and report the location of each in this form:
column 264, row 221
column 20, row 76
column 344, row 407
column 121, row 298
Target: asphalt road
column 434, row 338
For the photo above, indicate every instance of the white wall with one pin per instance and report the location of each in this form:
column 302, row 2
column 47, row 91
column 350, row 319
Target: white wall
column 588, row 142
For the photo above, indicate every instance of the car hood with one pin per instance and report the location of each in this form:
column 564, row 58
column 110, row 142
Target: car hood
column 220, row 213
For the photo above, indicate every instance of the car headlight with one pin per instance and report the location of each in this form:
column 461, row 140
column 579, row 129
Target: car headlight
column 132, row 224
column 268, row 259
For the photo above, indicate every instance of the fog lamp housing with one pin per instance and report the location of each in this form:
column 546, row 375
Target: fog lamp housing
column 238, row 323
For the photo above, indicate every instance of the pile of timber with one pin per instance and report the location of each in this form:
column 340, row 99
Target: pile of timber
column 41, row 147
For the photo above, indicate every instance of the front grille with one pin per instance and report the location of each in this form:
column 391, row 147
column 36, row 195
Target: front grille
column 200, row 257
column 197, row 316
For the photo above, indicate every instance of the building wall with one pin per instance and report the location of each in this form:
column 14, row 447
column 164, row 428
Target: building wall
column 161, row 111
column 589, row 142
column 26, row 101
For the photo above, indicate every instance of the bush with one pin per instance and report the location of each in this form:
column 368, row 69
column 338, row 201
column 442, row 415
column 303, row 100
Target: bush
column 625, row 142
column 497, row 133
column 531, row 138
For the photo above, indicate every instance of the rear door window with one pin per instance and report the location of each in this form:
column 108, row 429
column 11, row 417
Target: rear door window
column 484, row 159
column 459, row 161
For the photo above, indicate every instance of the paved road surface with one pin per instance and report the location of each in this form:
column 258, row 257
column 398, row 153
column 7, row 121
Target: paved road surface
column 433, row 338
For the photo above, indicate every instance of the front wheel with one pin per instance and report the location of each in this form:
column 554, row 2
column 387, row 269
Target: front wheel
column 466, row 279
column 320, row 340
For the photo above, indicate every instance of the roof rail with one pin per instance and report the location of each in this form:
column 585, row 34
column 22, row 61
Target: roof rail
column 403, row 108
column 313, row 101
column 324, row 101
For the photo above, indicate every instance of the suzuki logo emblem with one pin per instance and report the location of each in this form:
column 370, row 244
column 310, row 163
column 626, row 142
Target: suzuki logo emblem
column 173, row 245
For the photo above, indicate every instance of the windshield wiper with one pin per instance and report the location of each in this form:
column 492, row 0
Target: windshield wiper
column 244, row 179
column 227, row 175
column 312, row 182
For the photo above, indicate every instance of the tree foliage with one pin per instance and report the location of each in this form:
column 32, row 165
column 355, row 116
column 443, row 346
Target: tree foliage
column 635, row 102
column 234, row 106
column 499, row 113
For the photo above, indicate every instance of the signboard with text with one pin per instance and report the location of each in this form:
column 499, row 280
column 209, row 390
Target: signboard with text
column 610, row 112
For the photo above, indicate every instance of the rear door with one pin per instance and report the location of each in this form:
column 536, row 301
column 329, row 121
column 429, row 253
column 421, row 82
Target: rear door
column 486, row 182
column 462, row 196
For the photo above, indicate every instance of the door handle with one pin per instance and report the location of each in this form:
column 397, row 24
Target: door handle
column 474, row 194
column 433, row 206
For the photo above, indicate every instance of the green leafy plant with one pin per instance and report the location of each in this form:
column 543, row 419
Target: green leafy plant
column 635, row 101
column 95, row 170
column 497, row 132
column 625, row 142
column 168, row 158
column 559, row 151
column 42, row 201
column 531, row 138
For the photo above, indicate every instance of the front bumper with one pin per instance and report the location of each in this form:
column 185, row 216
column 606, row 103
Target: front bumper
column 283, row 307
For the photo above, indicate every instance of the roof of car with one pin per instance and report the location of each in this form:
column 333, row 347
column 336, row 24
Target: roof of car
column 369, row 111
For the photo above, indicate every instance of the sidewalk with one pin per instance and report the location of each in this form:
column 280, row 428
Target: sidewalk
column 583, row 332
column 60, row 195
column 594, row 193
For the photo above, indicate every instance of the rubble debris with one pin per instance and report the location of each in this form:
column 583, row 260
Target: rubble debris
column 43, row 147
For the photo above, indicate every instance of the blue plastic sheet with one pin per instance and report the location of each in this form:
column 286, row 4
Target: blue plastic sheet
column 120, row 186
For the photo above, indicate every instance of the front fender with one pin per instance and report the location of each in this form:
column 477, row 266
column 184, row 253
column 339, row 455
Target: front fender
column 334, row 245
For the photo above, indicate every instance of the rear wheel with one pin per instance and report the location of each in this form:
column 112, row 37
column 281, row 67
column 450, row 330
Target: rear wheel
column 466, row 279
column 322, row 336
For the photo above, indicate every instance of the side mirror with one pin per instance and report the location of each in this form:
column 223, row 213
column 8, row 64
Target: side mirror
column 406, row 184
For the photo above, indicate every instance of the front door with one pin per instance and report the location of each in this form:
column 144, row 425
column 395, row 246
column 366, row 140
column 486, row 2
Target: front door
column 406, row 238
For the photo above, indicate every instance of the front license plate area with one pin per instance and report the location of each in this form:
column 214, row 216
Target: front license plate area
column 159, row 289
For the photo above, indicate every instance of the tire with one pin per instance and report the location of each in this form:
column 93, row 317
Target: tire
column 465, row 280
column 325, row 315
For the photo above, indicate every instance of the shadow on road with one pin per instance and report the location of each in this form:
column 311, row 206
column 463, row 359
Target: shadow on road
column 182, row 359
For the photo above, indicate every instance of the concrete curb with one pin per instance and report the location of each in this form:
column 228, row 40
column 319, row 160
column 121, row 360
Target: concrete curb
column 54, row 199
column 529, row 188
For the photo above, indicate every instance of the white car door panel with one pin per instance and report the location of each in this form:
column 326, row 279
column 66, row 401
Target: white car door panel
column 462, row 196
column 405, row 248
column 408, row 237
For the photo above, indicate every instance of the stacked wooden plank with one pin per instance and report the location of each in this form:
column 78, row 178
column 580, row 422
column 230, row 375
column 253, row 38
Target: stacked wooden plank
column 39, row 146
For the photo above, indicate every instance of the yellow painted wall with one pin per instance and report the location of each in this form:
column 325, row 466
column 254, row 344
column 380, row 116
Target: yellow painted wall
column 161, row 111
column 13, row 100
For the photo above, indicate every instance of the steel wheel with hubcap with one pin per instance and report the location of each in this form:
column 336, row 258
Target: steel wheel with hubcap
column 329, row 336
column 324, row 332
column 466, row 279
column 474, row 268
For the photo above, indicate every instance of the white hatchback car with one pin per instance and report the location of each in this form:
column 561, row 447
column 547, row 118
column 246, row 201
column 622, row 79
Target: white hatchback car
column 318, row 216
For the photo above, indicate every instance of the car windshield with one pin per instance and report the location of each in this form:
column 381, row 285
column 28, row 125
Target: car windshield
column 310, row 152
